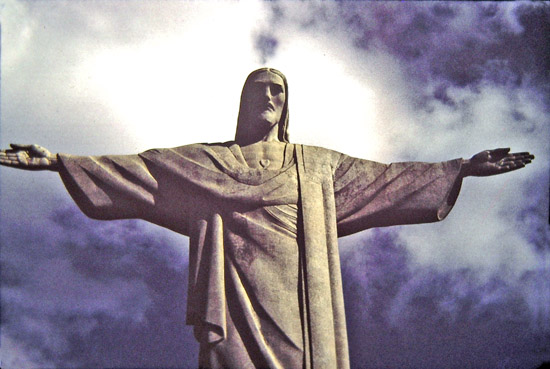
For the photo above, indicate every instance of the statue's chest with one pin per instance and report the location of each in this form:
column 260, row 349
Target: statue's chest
column 264, row 156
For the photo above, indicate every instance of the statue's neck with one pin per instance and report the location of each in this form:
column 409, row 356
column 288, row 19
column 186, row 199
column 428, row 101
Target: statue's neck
column 258, row 131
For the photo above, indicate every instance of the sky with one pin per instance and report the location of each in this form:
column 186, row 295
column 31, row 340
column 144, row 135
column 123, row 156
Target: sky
column 378, row 80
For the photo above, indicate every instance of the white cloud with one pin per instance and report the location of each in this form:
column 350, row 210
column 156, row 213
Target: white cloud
column 329, row 106
column 15, row 355
column 179, row 86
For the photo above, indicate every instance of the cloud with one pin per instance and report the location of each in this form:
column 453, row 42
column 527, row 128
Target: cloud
column 266, row 45
column 384, row 81
column 138, row 70
column 101, row 287
column 401, row 315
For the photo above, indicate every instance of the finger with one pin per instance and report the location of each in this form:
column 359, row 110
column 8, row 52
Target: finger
column 518, row 156
column 514, row 158
column 4, row 159
column 500, row 151
column 515, row 166
column 37, row 150
column 520, row 160
column 23, row 157
column 522, row 155
column 12, row 155
column 15, row 154
column 498, row 154
column 20, row 147
column 524, row 162
column 9, row 162
column 507, row 162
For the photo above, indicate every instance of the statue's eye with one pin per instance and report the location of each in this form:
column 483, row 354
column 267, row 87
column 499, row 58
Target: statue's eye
column 276, row 89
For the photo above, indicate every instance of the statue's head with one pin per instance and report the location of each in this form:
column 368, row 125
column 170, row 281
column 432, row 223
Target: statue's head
column 264, row 106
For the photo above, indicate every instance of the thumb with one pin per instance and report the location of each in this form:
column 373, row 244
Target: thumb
column 38, row 150
column 500, row 152
column 20, row 147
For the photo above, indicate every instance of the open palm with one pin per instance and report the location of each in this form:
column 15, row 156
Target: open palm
column 29, row 157
column 497, row 161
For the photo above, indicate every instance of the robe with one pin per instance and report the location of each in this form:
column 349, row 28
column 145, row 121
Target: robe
column 265, row 287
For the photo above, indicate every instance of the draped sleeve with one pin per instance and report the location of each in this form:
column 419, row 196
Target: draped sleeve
column 370, row 194
column 126, row 186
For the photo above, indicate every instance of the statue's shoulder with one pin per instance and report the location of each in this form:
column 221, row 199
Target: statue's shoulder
column 188, row 149
column 321, row 153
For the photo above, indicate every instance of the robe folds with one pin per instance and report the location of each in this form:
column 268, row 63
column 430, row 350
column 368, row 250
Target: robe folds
column 265, row 285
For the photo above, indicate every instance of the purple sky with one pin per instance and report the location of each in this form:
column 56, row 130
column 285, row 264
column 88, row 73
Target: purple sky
column 385, row 81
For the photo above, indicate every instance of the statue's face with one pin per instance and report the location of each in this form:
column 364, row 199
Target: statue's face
column 265, row 99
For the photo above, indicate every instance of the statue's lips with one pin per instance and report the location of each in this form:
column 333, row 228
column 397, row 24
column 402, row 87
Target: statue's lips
column 266, row 107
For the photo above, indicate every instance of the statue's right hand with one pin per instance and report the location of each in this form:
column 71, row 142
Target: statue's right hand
column 29, row 157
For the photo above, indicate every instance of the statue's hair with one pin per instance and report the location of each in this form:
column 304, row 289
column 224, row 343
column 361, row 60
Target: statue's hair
column 240, row 136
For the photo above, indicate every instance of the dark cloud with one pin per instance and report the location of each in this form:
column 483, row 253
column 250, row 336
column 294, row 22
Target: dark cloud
column 107, row 294
column 400, row 316
column 531, row 218
column 266, row 46
column 459, row 44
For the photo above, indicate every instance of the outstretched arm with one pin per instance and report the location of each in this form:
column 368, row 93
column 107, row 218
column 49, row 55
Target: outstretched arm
column 29, row 157
column 492, row 162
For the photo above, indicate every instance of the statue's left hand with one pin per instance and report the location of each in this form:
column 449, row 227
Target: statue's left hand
column 498, row 161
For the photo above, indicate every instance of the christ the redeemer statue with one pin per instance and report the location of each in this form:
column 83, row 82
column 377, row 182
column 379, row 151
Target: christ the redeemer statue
column 263, row 216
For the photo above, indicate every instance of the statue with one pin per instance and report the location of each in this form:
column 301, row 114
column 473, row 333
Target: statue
column 263, row 216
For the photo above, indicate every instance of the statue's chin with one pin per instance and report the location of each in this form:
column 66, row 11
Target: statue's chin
column 257, row 128
column 268, row 116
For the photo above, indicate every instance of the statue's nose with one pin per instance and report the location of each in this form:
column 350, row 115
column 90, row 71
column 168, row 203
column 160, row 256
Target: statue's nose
column 267, row 93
